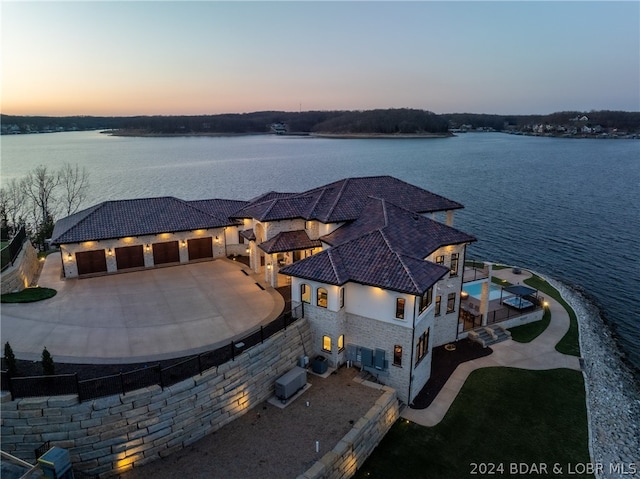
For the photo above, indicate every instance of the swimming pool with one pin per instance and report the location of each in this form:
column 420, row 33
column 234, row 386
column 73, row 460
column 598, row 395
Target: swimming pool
column 474, row 289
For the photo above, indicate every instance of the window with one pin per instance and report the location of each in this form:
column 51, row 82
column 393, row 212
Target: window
column 426, row 299
column 305, row 293
column 326, row 343
column 451, row 302
column 438, row 304
column 322, row 298
column 454, row 264
column 397, row 355
column 440, row 259
column 341, row 298
column 340, row 342
column 422, row 346
column 399, row 308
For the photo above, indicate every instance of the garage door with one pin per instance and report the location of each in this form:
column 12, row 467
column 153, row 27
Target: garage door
column 168, row 252
column 129, row 257
column 91, row 262
column 200, row 248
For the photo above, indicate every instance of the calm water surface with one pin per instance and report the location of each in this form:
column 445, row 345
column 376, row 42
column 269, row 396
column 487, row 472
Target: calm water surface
column 567, row 208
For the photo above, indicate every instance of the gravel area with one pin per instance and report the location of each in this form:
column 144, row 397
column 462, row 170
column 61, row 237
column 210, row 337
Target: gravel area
column 613, row 393
column 269, row 441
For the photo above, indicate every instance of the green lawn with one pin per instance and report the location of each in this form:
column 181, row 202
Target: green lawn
column 502, row 416
column 28, row 295
column 569, row 344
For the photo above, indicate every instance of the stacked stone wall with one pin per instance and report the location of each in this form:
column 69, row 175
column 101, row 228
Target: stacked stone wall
column 355, row 447
column 110, row 435
column 23, row 272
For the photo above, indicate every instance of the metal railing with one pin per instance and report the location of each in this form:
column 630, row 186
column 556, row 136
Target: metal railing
column 9, row 253
column 122, row 383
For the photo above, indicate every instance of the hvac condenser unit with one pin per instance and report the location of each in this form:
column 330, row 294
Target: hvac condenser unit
column 290, row 383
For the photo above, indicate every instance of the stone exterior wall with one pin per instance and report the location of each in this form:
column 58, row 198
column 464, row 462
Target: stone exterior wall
column 356, row 446
column 373, row 334
column 109, row 435
column 23, row 271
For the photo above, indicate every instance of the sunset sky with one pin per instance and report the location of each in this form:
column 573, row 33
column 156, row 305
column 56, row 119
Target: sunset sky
column 172, row 58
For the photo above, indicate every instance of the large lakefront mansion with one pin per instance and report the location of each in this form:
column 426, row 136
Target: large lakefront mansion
column 373, row 263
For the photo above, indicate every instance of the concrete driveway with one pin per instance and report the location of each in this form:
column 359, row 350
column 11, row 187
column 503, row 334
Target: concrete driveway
column 139, row 316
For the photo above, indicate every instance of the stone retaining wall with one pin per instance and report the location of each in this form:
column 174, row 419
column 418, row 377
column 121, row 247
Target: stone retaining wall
column 23, row 272
column 356, row 446
column 109, row 435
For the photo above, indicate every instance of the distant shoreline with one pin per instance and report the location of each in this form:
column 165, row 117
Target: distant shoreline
column 144, row 133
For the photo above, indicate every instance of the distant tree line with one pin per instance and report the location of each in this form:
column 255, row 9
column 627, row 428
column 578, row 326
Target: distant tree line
column 387, row 121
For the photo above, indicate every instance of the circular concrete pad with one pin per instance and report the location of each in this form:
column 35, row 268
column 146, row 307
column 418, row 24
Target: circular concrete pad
column 140, row 316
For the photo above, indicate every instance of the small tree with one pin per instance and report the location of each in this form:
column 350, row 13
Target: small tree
column 47, row 363
column 10, row 360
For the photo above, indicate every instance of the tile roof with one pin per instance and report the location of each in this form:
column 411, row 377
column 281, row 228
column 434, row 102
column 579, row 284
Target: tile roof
column 218, row 207
column 248, row 234
column 118, row 219
column 289, row 241
column 407, row 232
column 343, row 200
column 369, row 260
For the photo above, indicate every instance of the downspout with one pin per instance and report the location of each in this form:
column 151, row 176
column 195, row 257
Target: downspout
column 413, row 341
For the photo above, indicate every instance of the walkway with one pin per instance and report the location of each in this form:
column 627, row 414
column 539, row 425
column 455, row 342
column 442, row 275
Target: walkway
column 140, row 316
column 539, row 354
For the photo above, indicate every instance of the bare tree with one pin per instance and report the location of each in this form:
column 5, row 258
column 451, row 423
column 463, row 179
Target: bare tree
column 12, row 203
column 74, row 182
column 38, row 187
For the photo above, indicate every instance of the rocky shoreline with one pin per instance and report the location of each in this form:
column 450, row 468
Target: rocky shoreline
column 612, row 393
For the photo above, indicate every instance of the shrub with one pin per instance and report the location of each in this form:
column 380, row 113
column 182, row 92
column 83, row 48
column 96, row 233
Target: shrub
column 47, row 363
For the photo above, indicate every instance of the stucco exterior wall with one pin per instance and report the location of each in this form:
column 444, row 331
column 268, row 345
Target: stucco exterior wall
column 110, row 435
column 68, row 251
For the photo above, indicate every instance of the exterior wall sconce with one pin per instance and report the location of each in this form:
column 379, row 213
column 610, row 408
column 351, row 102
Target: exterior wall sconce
column 148, row 247
column 69, row 256
column 269, row 266
column 109, row 252
column 247, row 251
column 217, row 240
column 184, row 243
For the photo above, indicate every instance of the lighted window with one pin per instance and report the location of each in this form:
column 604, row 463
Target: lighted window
column 451, row 302
column 455, row 257
column 438, row 305
column 341, row 342
column 397, row 355
column 440, row 259
column 426, row 299
column 422, row 346
column 305, row 293
column 341, row 297
column 400, row 308
column 322, row 297
column 326, row 344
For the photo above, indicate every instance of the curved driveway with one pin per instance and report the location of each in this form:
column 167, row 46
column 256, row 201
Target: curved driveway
column 139, row 316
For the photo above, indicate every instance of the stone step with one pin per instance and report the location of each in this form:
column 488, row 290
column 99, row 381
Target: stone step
column 489, row 335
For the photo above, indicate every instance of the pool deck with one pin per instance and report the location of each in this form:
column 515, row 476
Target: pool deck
column 539, row 354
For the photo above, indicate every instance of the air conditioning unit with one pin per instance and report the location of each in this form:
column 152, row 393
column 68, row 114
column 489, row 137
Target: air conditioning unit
column 290, row 383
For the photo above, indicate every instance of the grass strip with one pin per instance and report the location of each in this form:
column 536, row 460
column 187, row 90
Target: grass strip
column 569, row 344
column 28, row 295
column 502, row 416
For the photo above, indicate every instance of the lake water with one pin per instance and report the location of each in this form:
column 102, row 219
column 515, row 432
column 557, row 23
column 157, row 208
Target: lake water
column 566, row 208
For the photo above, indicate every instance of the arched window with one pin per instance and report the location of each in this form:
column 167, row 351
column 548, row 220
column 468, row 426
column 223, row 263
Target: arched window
column 305, row 293
column 322, row 298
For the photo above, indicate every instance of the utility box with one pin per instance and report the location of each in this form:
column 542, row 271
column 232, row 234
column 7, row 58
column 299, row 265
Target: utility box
column 56, row 464
column 290, row 383
column 319, row 365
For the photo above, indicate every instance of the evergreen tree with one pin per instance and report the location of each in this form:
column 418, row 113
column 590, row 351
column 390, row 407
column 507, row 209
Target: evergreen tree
column 47, row 363
column 10, row 360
